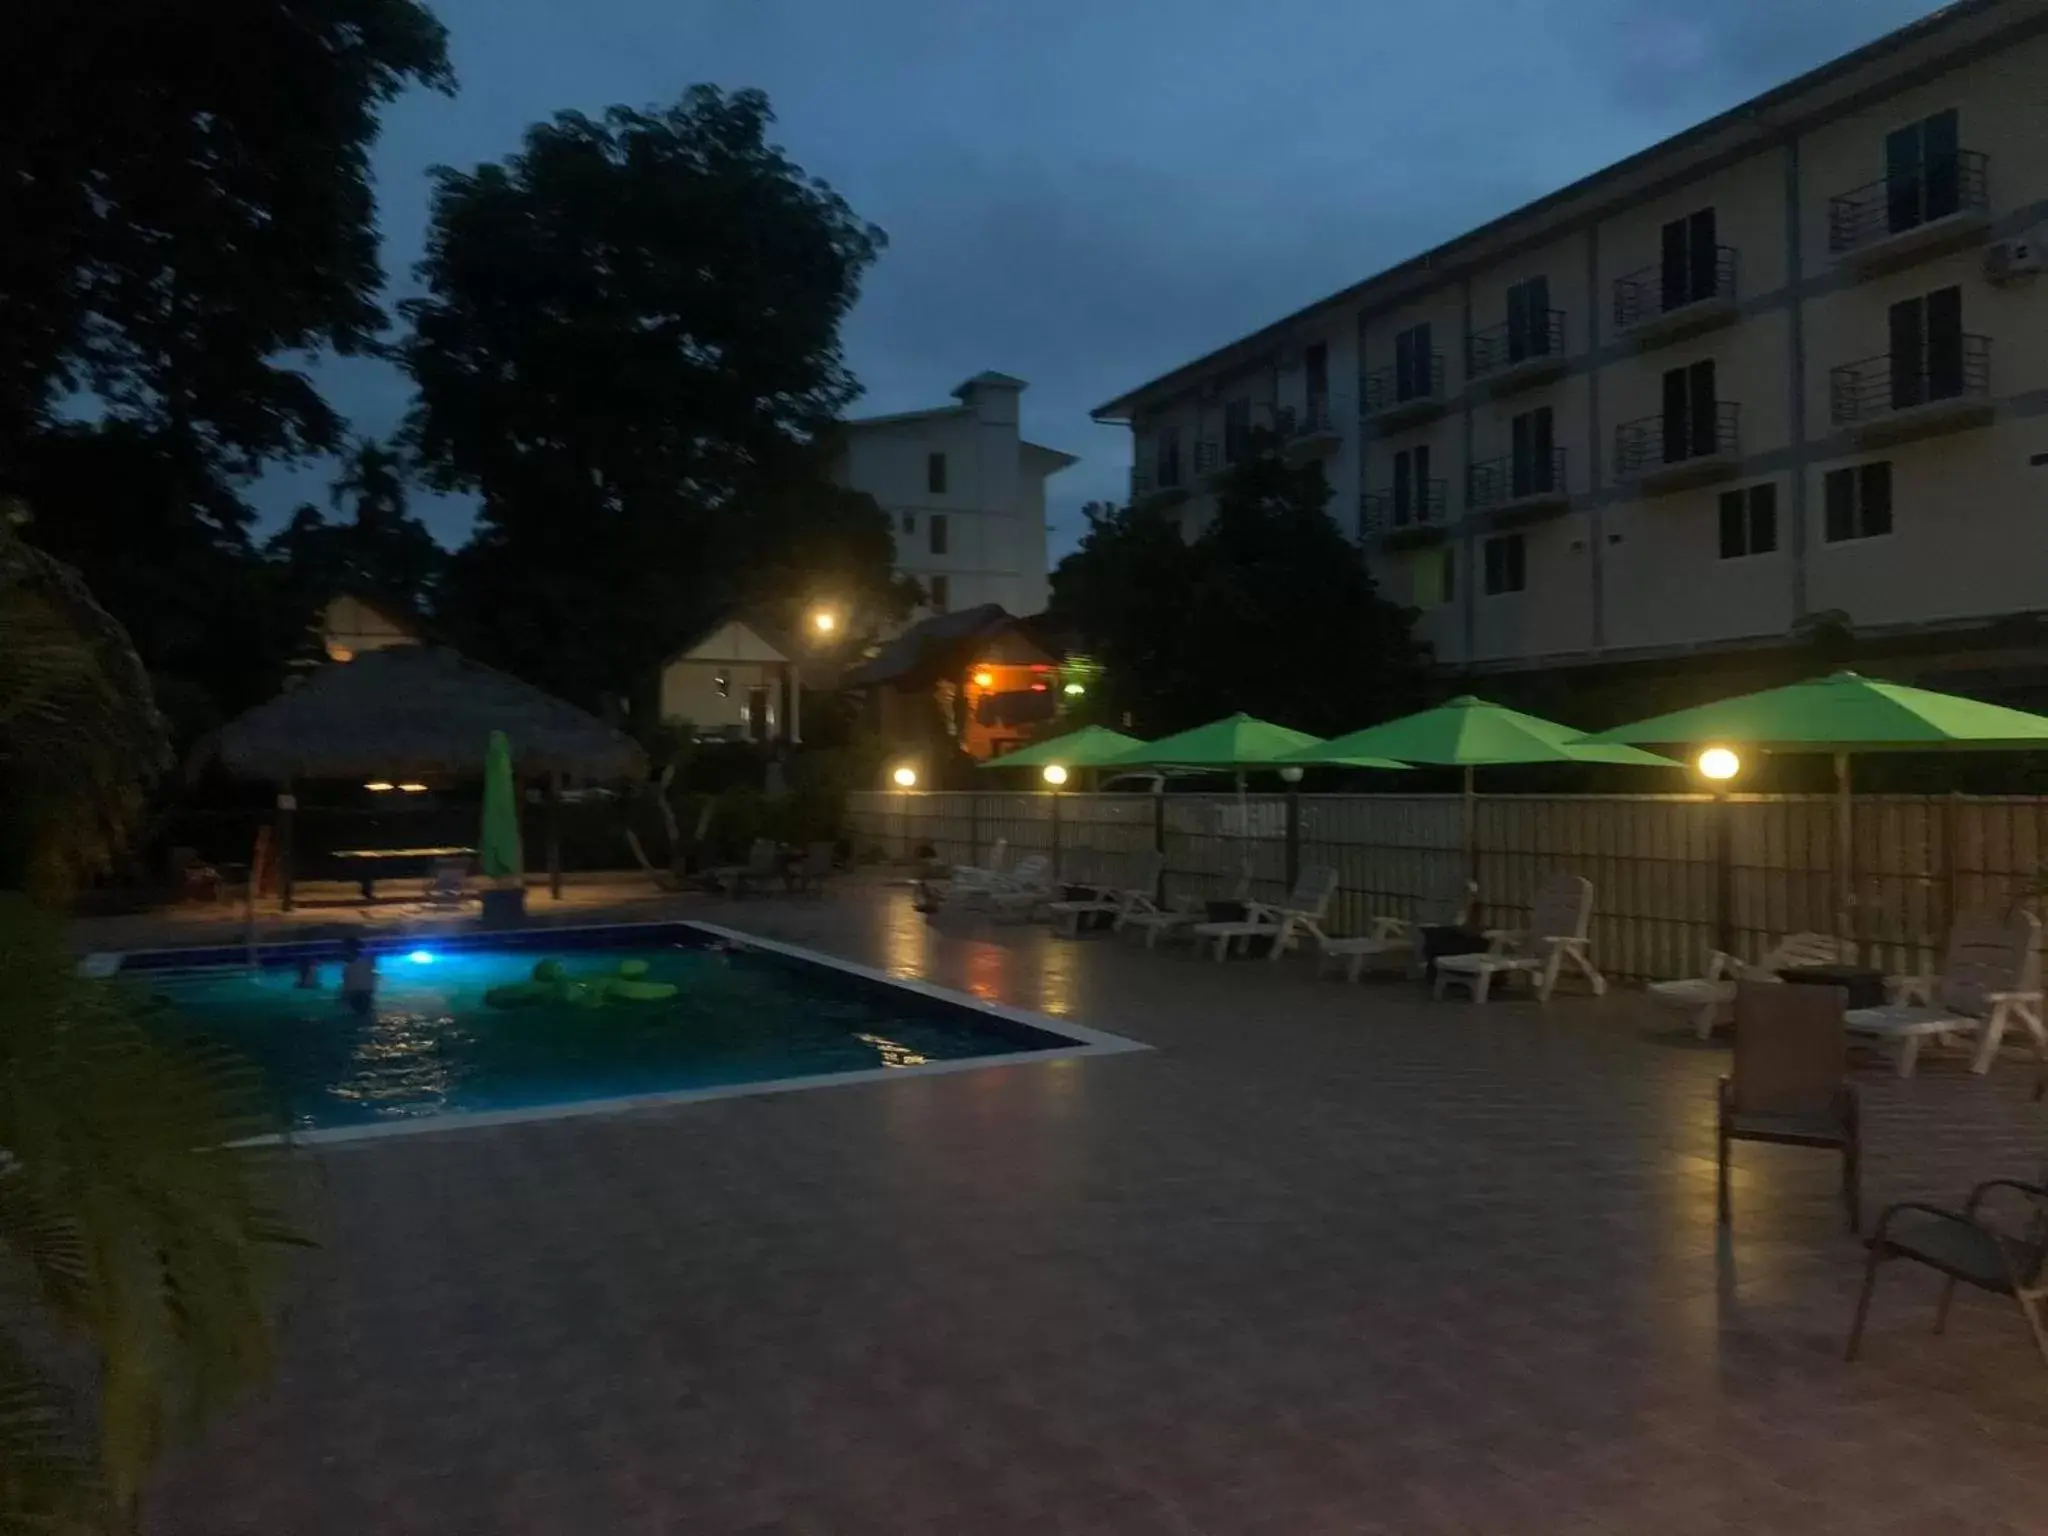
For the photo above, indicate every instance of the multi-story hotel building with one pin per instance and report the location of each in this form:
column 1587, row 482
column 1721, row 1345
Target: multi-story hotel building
column 1792, row 362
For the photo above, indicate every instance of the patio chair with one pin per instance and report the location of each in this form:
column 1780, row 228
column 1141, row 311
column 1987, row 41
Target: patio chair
column 762, row 866
column 1707, row 999
column 1020, row 894
column 1302, row 910
column 447, row 883
column 1556, row 933
column 1965, row 1247
column 1990, row 979
column 1396, row 936
column 1127, row 889
column 810, row 873
column 971, row 876
column 1789, row 1083
column 1183, row 914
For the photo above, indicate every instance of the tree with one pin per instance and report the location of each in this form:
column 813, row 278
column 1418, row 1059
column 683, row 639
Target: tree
column 382, row 551
column 80, row 737
column 628, row 346
column 1270, row 609
column 186, row 197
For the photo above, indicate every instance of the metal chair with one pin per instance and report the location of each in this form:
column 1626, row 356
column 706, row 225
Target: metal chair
column 1789, row 1083
column 1964, row 1247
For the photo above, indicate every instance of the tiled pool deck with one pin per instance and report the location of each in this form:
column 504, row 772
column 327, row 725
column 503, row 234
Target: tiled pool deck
column 1331, row 1259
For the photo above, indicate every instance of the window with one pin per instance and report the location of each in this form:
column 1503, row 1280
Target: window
column 1921, row 172
column 1691, row 258
column 910, row 522
column 1506, row 565
column 1927, row 348
column 1749, row 521
column 722, row 683
column 1532, row 470
column 1315, row 364
column 1414, row 364
column 1690, row 413
column 1436, row 572
column 1859, row 502
column 1411, row 486
column 935, row 532
column 1169, row 458
column 1529, row 319
column 940, row 592
column 759, row 716
column 935, row 473
column 1237, row 430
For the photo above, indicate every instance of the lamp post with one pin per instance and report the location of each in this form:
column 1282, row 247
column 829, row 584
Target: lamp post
column 1291, row 777
column 1054, row 774
column 1719, row 766
column 904, row 777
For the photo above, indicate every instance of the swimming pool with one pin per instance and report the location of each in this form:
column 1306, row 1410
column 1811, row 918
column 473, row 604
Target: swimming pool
column 745, row 1015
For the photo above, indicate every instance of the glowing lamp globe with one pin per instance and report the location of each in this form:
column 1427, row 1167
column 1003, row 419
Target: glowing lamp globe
column 1055, row 775
column 1719, row 764
column 904, row 777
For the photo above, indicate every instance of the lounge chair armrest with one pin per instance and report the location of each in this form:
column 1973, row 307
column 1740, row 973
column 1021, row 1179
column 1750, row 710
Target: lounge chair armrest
column 2036, row 1191
column 1501, row 940
column 1721, row 964
column 1910, row 989
column 1390, row 927
column 2012, row 997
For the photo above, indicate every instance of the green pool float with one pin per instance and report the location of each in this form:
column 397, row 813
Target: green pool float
column 551, row 983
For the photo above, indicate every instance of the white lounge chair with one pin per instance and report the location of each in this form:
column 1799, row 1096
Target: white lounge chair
column 1557, row 933
column 1990, row 979
column 1390, row 937
column 1123, row 890
column 1710, row 998
column 1021, row 892
column 1302, row 910
column 972, row 876
column 1183, row 913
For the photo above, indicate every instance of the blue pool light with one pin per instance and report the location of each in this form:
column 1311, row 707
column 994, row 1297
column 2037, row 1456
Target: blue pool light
column 421, row 957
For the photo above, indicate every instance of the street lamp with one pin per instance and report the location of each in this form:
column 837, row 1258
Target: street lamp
column 1055, row 775
column 1291, row 774
column 824, row 622
column 1719, row 764
column 904, row 777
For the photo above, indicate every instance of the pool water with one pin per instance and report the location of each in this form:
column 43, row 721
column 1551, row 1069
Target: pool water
column 432, row 1046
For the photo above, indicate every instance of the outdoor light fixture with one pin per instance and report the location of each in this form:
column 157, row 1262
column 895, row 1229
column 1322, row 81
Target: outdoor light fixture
column 984, row 679
column 421, row 957
column 1055, row 775
column 1719, row 764
column 824, row 620
column 412, row 789
column 378, row 786
column 1291, row 774
column 1075, row 688
column 905, row 777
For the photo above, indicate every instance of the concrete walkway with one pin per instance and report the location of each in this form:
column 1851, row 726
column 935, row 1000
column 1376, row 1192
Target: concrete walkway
column 1330, row 1259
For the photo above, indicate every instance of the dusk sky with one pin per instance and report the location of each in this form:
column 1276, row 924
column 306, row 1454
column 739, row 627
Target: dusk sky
column 1085, row 193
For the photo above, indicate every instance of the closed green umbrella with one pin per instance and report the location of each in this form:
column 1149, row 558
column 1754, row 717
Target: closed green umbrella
column 498, row 850
column 1089, row 747
column 1842, row 714
column 1471, row 733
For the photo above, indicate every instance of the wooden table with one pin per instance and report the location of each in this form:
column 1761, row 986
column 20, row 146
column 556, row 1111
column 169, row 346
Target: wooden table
column 373, row 862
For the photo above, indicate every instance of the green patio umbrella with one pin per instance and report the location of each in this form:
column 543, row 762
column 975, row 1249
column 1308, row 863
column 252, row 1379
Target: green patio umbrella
column 1842, row 714
column 498, row 850
column 1090, row 747
column 1235, row 743
column 1472, row 733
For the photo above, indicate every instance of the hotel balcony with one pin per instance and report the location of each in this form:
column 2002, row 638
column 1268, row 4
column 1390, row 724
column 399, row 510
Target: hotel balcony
column 1519, row 490
column 1653, row 306
column 1898, row 220
column 1392, row 401
column 1878, row 400
column 1148, row 483
column 1502, row 358
column 1409, row 520
column 1310, row 431
column 1654, row 461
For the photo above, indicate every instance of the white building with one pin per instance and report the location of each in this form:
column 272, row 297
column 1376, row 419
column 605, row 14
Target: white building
column 965, row 492
column 1790, row 363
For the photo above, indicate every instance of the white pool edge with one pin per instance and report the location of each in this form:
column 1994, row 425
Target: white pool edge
column 1086, row 1042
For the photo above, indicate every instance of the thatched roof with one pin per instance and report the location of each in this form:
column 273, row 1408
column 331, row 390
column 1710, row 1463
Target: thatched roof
column 418, row 711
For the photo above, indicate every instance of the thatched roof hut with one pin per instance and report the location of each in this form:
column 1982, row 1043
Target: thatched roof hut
column 415, row 711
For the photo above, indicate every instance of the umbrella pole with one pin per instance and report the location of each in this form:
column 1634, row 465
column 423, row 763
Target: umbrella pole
column 1845, row 848
column 1471, row 820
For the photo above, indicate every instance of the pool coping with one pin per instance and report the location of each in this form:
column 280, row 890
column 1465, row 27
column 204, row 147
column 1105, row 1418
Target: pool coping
column 1083, row 1042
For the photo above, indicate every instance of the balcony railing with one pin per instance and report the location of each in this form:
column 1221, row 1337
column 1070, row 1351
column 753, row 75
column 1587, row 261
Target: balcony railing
column 1420, row 508
column 1642, row 448
column 1504, row 482
column 1393, row 392
column 1893, row 205
column 1318, row 418
column 1502, row 347
column 1880, row 387
column 1644, row 297
column 1209, row 456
